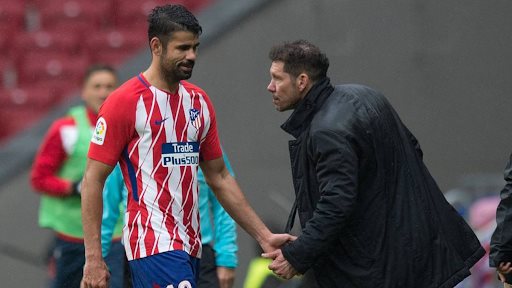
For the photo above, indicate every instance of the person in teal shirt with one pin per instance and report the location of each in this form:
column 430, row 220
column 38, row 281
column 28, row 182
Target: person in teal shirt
column 218, row 230
column 218, row 235
column 114, row 203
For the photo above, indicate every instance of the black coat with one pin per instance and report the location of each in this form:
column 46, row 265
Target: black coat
column 371, row 213
column 501, row 241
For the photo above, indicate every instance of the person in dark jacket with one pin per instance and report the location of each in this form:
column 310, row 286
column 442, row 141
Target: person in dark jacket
column 371, row 213
column 501, row 241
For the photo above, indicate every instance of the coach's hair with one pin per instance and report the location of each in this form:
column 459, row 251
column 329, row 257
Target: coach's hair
column 301, row 57
column 164, row 20
column 97, row 68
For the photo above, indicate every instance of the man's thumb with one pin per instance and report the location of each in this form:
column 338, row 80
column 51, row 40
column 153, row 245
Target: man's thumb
column 270, row 255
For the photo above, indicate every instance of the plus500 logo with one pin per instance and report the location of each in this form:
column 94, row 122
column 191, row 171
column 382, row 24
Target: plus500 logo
column 180, row 154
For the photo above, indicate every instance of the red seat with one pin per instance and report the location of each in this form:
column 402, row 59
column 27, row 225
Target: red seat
column 6, row 42
column 52, row 41
column 82, row 14
column 115, row 46
column 8, row 74
column 20, row 108
column 35, row 97
column 12, row 15
column 51, row 69
column 15, row 120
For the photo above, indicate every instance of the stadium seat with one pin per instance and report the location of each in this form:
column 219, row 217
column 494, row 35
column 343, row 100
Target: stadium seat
column 52, row 71
column 52, row 41
column 14, row 120
column 78, row 14
column 8, row 73
column 36, row 97
column 22, row 107
column 114, row 46
column 6, row 42
column 12, row 15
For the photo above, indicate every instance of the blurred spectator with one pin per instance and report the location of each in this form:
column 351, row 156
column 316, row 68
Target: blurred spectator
column 501, row 242
column 56, row 174
column 482, row 218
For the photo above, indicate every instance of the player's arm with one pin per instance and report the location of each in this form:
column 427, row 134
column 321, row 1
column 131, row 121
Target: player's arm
column 225, row 229
column 95, row 270
column 233, row 200
column 48, row 161
column 225, row 239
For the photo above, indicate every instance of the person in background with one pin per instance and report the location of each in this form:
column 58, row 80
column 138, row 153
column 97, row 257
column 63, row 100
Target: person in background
column 482, row 218
column 56, row 174
column 218, row 235
column 370, row 212
column 500, row 256
column 114, row 208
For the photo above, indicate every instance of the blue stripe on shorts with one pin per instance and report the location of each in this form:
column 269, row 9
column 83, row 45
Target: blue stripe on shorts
column 171, row 269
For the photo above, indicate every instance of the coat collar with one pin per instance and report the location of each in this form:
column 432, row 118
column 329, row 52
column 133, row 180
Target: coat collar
column 307, row 107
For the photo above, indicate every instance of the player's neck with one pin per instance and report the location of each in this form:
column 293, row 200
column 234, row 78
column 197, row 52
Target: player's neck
column 156, row 79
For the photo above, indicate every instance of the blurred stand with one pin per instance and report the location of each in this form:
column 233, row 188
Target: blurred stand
column 477, row 200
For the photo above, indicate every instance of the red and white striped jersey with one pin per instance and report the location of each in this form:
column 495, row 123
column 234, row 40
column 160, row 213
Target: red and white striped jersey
column 159, row 139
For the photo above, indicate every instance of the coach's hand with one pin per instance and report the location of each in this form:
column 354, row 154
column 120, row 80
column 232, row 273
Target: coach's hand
column 280, row 266
column 96, row 274
column 503, row 269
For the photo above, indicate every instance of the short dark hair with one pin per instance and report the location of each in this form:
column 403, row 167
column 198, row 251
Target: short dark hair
column 301, row 56
column 96, row 68
column 163, row 20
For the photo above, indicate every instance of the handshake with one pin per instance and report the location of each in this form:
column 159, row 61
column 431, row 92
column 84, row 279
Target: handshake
column 280, row 266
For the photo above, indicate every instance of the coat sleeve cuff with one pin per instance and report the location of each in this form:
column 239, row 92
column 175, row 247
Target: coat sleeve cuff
column 289, row 253
column 226, row 260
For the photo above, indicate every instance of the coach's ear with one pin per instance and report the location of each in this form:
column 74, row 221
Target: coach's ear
column 156, row 46
column 303, row 82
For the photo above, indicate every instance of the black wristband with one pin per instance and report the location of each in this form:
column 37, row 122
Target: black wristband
column 76, row 188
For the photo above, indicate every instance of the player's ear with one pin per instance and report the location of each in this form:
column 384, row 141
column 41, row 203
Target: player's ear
column 156, row 46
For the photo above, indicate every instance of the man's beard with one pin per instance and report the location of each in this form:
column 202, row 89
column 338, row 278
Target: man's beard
column 174, row 73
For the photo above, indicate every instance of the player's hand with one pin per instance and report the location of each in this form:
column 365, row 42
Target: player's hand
column 226, row 277
column 280, row 266
column 96, row 274
column 276, row 241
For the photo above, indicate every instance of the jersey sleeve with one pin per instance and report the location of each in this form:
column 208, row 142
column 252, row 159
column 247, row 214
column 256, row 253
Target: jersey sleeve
column 113, row 131
column 210, row 146
column 48, row 161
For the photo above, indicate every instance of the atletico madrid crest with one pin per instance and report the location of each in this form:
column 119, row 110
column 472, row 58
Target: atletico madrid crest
column 195, row 120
